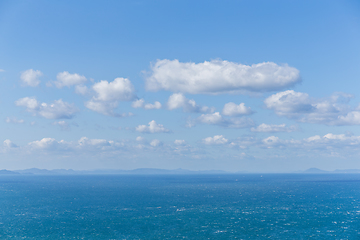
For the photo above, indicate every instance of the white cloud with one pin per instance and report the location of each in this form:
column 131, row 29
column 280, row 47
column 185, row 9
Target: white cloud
column 213, row 118
column 155, row 142
column 217, row 119
column 14, row 120
column 57, row 110
column 231, row 109
column 84, row 141
column 140, row 103
column 2, row 70
column 179, row 142
column 217, row 139
column 140, row 139
column 9, row 144
column 219, row 76
column 178, row 100
column 271, row 141
column 66, row 79
column 299, row 106
column 45, row 143
column 120, row 89
column 153, row 127
column 30, row 77
column 156, row 105
column 273, row 128
column 108, row 95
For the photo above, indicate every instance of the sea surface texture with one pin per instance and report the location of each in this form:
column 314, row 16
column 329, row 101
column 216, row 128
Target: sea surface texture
column 249, row 206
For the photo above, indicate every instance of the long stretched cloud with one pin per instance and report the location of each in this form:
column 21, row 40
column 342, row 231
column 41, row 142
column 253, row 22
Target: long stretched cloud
column 219, row 76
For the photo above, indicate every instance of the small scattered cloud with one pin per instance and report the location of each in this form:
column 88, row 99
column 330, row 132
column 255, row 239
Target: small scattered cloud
column 178, row 100
column 66, row 79
column 45, row 143
column 217, row 139
column 2, row 70
column 8, row 144
column 14, row 120
column 140, row 139
column 272, row 141
column 140, row 103
column 56, row 110
column 121, row 89
column 232, row 109
column 217, row 119
column 155, row 142
column 152, row 127
column 300, row 107
column 31, row 77
column 84, row 142
column 108, row 94
column 179, row 142
column 217, row 76
column 271, row 128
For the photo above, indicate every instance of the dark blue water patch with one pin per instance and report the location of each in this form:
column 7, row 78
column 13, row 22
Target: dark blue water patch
column 253, row 206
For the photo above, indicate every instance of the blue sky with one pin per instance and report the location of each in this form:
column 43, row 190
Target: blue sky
column 260, row 86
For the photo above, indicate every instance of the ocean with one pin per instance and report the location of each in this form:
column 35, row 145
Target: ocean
column 229, row 206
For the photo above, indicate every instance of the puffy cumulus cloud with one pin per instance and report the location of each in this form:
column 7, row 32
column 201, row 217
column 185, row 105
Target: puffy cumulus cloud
column 121, row 89
column 140, row 139
column 334, row 140
column 153, row 127
column 155, row 143
column 56, row 110
column 219, row 76
column 66, row 79
column 274, row 128
column 31, row 77
column 156, row 105
column 217, row 119
column 14, row 120
column 231, row 109
column 108, row 94
column 299, row 106
column 85, row 142
column 140, row 103
column 178, row 100
column 328, row 142
column 8, row 144
column 217, row 139
column 45, row 143
column 271, row 141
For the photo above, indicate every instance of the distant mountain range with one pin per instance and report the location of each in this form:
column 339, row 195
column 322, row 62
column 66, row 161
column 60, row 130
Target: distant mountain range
column 316, row 170
column 139, row 171
column 150, row 171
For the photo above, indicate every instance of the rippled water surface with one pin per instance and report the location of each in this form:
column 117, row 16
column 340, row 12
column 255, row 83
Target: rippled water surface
column 252, row 206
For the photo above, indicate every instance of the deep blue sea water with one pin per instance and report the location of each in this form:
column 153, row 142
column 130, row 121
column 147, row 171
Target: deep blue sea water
column 251, row 206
